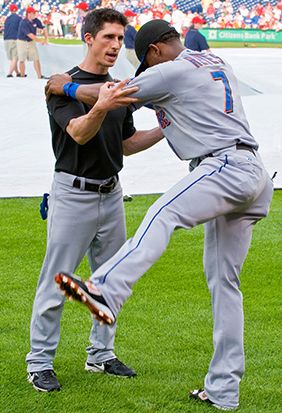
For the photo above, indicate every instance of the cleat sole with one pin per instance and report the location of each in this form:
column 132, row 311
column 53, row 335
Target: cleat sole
column 74, row 292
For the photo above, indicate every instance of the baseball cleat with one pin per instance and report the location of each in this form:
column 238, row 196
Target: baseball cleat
column 44, row 381
column 114, row 367
column 201, row 396
column 76, row 289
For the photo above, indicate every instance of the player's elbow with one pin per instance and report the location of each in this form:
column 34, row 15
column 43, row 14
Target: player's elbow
column 75, row 134
column 81, row 140
column 128, row 149
column 126, row 152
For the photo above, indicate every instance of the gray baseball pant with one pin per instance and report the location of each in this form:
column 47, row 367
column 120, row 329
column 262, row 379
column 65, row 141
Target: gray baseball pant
column 79, row 222
column 229, row 192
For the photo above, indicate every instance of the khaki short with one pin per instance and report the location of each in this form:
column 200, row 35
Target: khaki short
column 11, row 49
column 27, row 51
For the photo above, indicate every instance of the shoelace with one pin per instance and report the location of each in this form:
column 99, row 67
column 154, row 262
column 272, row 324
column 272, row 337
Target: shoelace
column 48, row 374
column 114, row 362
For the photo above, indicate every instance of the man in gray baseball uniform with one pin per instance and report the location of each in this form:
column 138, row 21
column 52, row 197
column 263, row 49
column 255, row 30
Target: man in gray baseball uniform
column 86, row 205
column 196, row 98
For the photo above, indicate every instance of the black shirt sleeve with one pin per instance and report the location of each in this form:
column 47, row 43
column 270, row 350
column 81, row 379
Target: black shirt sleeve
column 128, row 125
column 63, row 109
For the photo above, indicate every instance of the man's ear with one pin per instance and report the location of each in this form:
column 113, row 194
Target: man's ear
column 88, row 39
column 155, row 49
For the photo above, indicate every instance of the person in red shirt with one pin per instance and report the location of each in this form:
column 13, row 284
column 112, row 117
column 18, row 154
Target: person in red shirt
column 210, row 12
column 259, row 9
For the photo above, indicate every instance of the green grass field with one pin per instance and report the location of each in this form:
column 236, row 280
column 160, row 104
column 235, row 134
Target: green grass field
column 165, row 329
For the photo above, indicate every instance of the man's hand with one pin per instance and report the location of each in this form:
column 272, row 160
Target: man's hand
column 55, row 85
column 113, row 95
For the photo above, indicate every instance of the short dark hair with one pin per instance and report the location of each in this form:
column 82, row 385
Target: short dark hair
column 94, row 21
column 167, row 37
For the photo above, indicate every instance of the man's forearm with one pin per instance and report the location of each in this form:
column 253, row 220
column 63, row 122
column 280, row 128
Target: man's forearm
column 142, row 140
column 88, row 94
column 57, row 85
column 84, row 128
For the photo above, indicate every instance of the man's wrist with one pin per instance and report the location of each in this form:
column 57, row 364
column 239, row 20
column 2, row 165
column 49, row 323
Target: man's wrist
column 70, row 89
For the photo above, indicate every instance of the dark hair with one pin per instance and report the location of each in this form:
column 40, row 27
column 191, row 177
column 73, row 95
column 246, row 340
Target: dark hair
column 94, row 21
column 167, row 37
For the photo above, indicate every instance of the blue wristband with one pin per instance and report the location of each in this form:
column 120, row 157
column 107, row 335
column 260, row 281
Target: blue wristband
column 66, row 88
column 72, row 90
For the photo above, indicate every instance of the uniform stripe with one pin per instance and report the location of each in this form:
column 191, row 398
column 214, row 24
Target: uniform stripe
column 159, row 211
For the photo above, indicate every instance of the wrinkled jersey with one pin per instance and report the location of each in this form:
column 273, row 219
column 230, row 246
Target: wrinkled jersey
column 197, row 102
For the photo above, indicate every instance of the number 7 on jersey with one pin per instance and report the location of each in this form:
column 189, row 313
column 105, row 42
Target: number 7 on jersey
column 219, row 75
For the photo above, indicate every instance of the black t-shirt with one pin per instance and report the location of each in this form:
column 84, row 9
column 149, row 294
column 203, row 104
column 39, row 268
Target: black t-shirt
column 101, row 157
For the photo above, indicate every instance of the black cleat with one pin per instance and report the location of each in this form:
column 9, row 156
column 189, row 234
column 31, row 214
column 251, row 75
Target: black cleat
column 44, row 380
column 113, row 367
column 75, row 288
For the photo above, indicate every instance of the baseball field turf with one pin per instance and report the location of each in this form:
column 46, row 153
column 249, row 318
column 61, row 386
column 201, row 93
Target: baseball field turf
column 164, row 329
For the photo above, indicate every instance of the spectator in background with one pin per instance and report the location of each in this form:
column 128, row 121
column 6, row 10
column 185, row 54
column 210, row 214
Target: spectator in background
column 129, row 39
column 167, row 14
column 248, row 21
column 276, row 12
column 26, row 41
column 244, row 11
column 11, row 27
column 145, row 17
column 45, row 8
column 194, row 40
column 259, row 9
column 82, row 11
column 228, row 8
column 177, row 19
column 238, row 21
column 210, row 12
column 55, row 20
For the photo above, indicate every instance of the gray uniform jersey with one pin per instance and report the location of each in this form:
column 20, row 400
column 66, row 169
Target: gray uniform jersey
column 195, row 118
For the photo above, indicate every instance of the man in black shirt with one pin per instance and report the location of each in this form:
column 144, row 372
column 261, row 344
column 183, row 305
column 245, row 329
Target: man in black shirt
column 85, row 205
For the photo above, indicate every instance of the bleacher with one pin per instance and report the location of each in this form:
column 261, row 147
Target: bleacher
column 250, row 3
column 195, row 6
column 36, row 4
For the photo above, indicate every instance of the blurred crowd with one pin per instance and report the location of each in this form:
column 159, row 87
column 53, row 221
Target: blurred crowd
column 63, row 17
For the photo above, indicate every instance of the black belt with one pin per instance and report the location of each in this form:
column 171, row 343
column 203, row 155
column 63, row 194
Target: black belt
column 239, row 146
column 101, row 188
column 243, row 146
